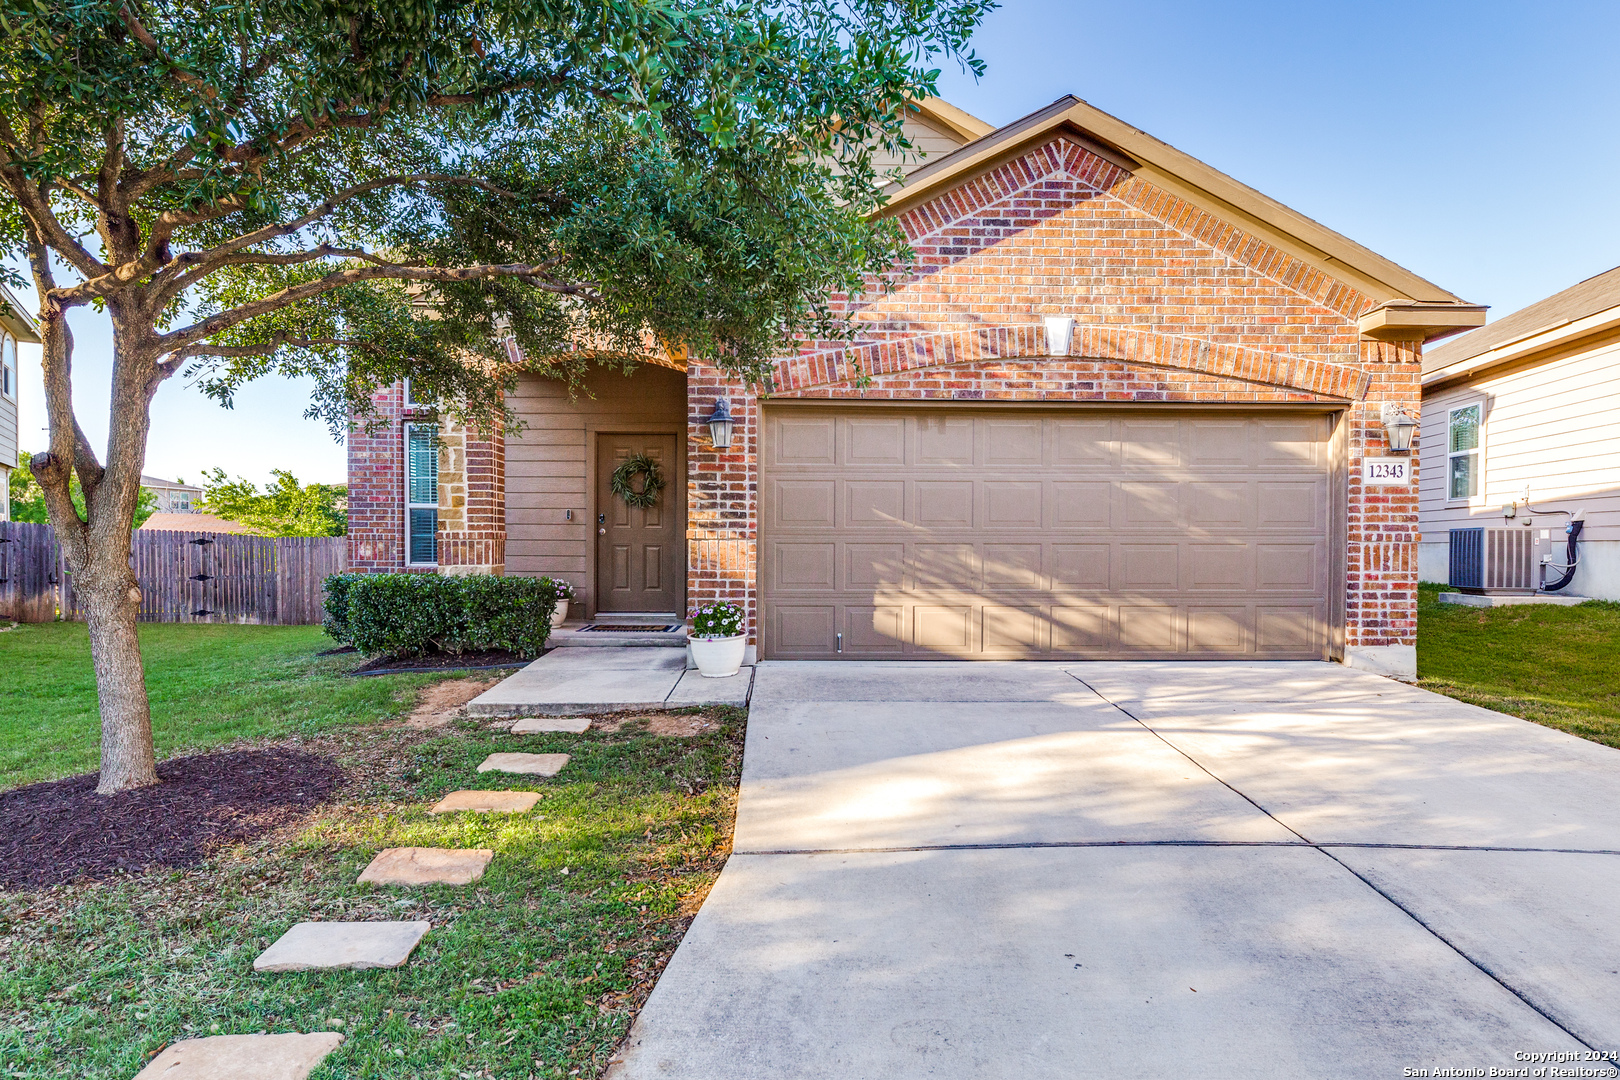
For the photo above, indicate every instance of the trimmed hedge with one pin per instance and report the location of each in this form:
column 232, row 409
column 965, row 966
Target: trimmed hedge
column 412, row 614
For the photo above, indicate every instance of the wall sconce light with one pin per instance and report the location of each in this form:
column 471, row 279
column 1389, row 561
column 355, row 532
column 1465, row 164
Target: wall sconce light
column 1398, row 428
column 720, row 423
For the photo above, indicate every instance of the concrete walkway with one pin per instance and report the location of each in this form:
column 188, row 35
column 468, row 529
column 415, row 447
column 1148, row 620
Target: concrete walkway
column 1144, row 870
column 572, row 682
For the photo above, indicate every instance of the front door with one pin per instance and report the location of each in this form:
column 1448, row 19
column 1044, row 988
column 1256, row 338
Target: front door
column 639, row 563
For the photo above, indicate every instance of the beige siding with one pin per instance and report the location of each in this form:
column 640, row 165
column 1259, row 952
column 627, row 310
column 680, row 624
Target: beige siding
column 1554, row 425
column 8, row 432
column 932, row 142
column 548, row 469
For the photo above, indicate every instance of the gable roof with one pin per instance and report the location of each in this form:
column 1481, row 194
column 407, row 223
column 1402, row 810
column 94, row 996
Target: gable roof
column 14, row 317
column 1184, row 176
column 1546, row 322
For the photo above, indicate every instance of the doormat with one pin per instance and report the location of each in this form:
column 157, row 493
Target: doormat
column 631, row 628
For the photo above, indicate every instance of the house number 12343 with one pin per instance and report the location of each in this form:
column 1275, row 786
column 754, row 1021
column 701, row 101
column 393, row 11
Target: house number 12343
column 1386, row 471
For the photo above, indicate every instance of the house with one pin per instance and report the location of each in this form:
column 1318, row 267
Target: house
column 1121, row 411
column 191, row 521
column 1520, row 434
column 15, row 327
column 173, row 496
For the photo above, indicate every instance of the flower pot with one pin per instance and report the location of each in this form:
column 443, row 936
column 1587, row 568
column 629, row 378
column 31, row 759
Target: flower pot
column 717, row 658
column 559, row 616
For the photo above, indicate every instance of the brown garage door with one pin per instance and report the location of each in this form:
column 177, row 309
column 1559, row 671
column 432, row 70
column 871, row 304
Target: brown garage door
column 975, row 532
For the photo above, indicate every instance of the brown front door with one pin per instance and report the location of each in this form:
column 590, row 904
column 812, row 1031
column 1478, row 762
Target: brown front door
column 639, row 564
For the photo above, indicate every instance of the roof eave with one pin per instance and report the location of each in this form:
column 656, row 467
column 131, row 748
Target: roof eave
column 15, row 318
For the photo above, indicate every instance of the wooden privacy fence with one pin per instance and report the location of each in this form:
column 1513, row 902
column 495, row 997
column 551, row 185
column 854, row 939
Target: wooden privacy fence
column 184, row 576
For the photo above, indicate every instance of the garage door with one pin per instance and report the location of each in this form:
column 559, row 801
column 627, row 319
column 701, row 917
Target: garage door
column 973, row 532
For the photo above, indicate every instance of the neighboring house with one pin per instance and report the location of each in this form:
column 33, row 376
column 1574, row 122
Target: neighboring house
column 173, row 497
column 1175, row 473
column 15, row 327
column 1529, row 406
column 191, row 521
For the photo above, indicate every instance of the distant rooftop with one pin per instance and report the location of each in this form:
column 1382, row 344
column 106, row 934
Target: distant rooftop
column 1597, row 293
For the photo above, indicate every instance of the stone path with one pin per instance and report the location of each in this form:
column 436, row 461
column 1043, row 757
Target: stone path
column 537, row 725
column 353, row 946
column 488, row 802
column 427, row 866
column 242, row 1057
column 525, row 764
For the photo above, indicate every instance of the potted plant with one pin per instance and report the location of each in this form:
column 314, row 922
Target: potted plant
column 564, row 592
column 717, row 640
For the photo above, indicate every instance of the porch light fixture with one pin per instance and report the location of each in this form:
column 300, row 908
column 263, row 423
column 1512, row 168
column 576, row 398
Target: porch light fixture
column 1398, row 429
column 720, row 424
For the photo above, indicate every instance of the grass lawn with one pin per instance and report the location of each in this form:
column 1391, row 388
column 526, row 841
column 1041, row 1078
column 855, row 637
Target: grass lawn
column 208, row 685
column 534, row 971
column 1558, row 666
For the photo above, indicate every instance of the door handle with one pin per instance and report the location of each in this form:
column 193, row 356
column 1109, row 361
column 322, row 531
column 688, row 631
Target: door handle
column 602, row 531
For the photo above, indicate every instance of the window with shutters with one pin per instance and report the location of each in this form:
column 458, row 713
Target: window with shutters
column 421, row 494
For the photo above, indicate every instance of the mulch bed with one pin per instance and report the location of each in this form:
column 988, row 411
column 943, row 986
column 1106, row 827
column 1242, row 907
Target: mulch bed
column 62, row 831
column 442, row 661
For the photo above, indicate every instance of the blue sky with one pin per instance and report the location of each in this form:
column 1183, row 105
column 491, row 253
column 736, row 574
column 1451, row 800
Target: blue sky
column 1473, row 143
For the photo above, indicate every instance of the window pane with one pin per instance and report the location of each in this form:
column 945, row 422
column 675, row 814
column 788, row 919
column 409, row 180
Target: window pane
column 1464, row 476
column 422, row 463
column 1465, row 429
column 423, row 540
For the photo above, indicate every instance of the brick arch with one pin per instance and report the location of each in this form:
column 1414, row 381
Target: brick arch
column 833, row 367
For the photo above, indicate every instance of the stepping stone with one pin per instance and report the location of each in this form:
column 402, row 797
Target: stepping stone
column 489, row 802
column 355, row 946
column 527, row 764
column 427, row 866
column 534, row 725
column 242, row 1057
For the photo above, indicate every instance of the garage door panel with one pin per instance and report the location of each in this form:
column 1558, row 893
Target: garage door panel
column 1154, row 444
column 1013, row 504
column 801, row 504
column 802, row 630
column 803, row 440
column 875, row 503
column 875, row 631
column 933, row 565
column 1148, row 566
column 945, row 440
column 875, row 441
column 874, row 566
column 1083, row 442
column 1218, row 629
column 805, row 566
column 944, row 504
column 1143, row 503
column 1081, row 504
column 1017, row 630
column 1014, row 442
column 1081, row 566
column 1294, row 505
column 970, row 532
column 1012, row 566
column 940, row 628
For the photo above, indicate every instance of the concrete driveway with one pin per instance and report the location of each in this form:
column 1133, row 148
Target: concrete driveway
column 1146, row 870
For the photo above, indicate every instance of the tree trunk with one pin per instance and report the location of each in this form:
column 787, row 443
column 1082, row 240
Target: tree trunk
column 111, row 599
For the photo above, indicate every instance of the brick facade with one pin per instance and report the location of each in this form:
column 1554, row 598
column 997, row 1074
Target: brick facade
column 1171, row 303
column 472, row 492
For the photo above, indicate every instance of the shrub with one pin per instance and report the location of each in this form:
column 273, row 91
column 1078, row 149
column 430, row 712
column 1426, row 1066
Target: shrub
column 411, row 614
column 717, row 621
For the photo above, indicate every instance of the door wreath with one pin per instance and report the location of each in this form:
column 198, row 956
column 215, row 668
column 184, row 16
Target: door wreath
column 623, row 481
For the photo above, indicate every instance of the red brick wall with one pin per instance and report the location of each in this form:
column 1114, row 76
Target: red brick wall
column 377, row 487
column 1171, row 304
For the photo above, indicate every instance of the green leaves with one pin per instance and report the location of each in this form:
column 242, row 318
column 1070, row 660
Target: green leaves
column 283, row 508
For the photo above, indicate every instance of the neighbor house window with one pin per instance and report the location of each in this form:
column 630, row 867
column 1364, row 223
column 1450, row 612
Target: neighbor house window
column 1462, row 451
column 421, row 494
column 8, row 366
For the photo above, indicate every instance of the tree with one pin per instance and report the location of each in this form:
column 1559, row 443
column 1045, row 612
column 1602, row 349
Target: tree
column 445, row 188
column 28, row 498
column 284, row 508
